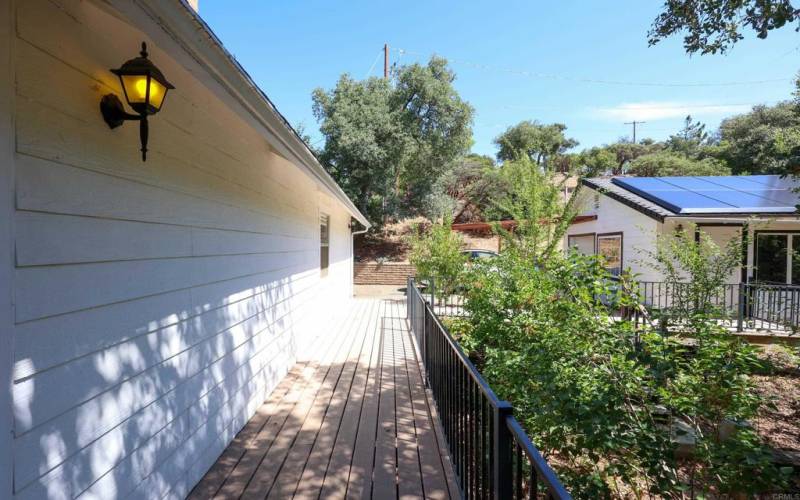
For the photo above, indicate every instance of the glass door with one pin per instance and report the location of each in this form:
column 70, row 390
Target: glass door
column 772, row 258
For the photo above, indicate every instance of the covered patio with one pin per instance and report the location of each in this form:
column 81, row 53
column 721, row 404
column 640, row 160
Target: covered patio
column 352, row 419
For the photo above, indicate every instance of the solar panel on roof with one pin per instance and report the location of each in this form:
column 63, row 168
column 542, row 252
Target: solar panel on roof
column 716, row 195
column 735, row 182
column 691, row 183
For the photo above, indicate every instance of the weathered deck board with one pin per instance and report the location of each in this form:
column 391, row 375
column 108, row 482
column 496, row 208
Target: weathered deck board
column 354, row 421
column 349, row 391
column 240, row 474
column 434, row 460
column 268, row 471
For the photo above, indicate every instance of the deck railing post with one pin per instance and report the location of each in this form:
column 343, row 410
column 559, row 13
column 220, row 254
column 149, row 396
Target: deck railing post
column 740, row 316
column 502, row 473
column 409, row 300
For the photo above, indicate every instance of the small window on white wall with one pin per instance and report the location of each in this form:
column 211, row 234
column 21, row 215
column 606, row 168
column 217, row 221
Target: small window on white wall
column 609, row 246
column 324, row 244
column 583, row 243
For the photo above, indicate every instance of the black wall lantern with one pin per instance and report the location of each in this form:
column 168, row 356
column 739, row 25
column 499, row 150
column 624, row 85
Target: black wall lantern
column 145, row 89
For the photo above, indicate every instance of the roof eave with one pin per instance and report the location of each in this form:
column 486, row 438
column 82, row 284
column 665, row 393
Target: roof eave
column 625, row 201
column 179, row 21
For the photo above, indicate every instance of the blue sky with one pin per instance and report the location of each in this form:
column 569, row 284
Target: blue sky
column 515, row 60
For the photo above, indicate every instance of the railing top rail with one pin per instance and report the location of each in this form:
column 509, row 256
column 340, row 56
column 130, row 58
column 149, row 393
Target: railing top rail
column 462, row 357
column 543, row 470
column 681, row 283
column 763, row 284
column 752, row 284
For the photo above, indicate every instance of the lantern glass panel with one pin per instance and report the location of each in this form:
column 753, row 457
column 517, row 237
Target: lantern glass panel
column 135, row 87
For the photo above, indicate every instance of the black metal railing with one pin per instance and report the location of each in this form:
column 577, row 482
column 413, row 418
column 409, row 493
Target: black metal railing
column 492, row 455
column 445, row 301
column 751, row 306
column 770, row 307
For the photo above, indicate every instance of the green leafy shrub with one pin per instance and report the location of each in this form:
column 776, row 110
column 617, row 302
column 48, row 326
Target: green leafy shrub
column 436, row 253
column 695, row 270
column 535, row 200
column 608, row 404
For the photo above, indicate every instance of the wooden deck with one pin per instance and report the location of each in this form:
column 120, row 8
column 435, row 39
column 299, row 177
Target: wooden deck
column 353, row 421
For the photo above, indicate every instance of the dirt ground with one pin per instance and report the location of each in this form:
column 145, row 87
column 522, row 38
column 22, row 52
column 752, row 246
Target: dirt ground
column 779, row 420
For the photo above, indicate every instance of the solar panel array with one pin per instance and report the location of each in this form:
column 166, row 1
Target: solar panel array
column 717, row 195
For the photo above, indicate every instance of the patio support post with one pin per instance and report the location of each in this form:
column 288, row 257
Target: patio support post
column 409, row 301
column 502, row 473
column 740, row 316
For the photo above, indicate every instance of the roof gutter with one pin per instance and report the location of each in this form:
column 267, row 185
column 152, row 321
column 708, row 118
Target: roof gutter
column 734, row 219
column 183, row 25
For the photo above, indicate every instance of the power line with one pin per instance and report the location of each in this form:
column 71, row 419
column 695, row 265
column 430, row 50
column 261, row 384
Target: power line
column 648, row 106
column 378, row 56
column 796, row 49
column 634, row 123
column 546, row 76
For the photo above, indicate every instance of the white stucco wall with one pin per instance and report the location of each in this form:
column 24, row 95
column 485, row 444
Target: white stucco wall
column 156, row 304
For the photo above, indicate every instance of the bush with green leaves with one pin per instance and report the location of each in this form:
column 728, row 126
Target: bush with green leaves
column 534, row 198
column 605, row 401
column 695, row 271
column 436, row 253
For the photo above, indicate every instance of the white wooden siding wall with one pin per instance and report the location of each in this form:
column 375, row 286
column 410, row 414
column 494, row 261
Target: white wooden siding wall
column 638, row 229
column 6, row 245
column 157, row 303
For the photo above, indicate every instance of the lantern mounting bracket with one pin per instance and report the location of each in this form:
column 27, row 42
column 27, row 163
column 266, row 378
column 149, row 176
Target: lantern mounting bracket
column 114, row 112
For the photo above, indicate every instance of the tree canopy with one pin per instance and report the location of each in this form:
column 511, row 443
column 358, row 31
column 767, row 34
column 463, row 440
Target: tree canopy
column 765, row 140
column 386, row 142
column 472, row 182
column 612, row 159
column 714, row 26
column 667, row 163
column 761, row 141
column 534, row 141
column 690, row 139
column 400, row 147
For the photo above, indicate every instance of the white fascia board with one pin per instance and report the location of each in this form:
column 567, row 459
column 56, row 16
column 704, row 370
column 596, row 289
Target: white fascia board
column 174, row 24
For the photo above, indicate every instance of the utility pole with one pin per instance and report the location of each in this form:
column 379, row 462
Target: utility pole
column 634, row 123
column 385, row 61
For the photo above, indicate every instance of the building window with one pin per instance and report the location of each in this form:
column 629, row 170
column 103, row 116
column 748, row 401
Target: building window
column 324, row 244
column 609, row 246
column 583, row 243
column 776, row 261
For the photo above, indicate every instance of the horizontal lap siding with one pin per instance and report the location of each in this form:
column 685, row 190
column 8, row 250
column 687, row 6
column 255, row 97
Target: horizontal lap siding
column 157, row 303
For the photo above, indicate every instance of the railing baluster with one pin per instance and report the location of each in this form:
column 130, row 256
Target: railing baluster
column 518, row 471
column 489, row 450
column 484, row 452
column 470, row 436
column 461, row 431
column 502, row 458
column 490, row 447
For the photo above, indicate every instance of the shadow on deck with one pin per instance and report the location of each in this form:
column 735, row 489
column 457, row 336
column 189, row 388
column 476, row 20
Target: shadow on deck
column 354, row 421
